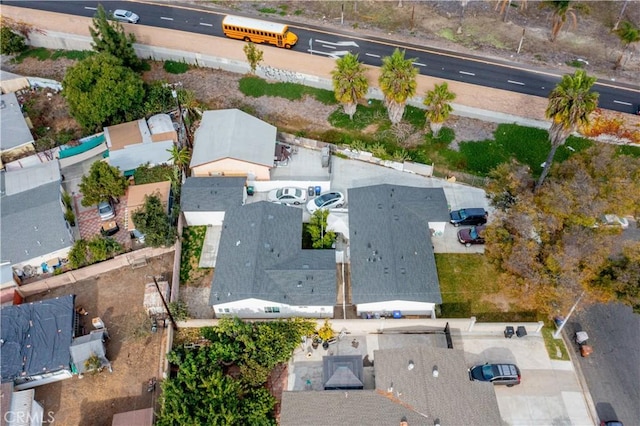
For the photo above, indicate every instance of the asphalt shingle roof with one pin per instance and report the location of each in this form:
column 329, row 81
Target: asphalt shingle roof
column 450, row 397
column 14, row 131
column 33, row 224
column 390, row 242
column 209, row 194
column 231, row 133
column 260, row 256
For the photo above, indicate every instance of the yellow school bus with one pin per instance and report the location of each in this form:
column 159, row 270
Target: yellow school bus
column 257, row 31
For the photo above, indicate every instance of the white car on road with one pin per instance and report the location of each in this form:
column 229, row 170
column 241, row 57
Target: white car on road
column 126, row 16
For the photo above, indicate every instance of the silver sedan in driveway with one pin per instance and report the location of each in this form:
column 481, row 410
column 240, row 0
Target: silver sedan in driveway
column 288, row 195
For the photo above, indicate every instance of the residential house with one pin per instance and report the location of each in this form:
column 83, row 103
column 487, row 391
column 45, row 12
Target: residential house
column 35, row 341
column 141, row 142
column 34, row 232
column 16, row 139
column 136, row 198
column 393, row 268
column 204, row 201
column 262, row 270
column 422, row 385
column 230, row 142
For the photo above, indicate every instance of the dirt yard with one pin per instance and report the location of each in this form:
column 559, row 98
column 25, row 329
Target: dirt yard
column 134, row 352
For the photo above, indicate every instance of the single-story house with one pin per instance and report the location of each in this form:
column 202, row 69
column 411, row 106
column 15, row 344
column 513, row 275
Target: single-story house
column 136, row 197
column 36, row 338
column 141, row 142
column 230, row 142
column 420, row 384
column 16, row 139
column 33, row 228
column 393, row 268
column 204, row 200
column 262, row 270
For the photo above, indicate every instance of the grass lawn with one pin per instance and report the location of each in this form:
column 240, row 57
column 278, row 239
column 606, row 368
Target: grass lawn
column 192, row 241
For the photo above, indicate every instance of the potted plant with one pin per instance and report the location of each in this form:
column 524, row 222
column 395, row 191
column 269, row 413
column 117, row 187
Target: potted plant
column 325, row 333
column 315, row 341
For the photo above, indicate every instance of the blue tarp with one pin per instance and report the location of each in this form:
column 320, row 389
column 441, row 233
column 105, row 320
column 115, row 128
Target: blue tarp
column 84, row 146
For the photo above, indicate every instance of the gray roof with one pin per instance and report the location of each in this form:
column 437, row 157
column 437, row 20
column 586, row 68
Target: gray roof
column 133, row 156
column 391, row 251
column 13, row 127
column 211, row 194
column 83, row 347
column 36, row 337
column 450, row 397
column 31, row 177
column 342, row 372
column 338, row 407
column 33, row 223
column 260, row 256
column 231, row 133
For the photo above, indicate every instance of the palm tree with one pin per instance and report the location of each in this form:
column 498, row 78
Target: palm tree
column 349, row 83
column 438, row 106
column 180, row 157
column 563, row 9
column 628, row 33
column 398, row 83
column 570, row 104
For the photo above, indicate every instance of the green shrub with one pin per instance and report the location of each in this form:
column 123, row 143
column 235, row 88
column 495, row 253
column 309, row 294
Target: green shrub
column 70, row 217
column 11, row 42
column 174, row 67
column 40, row 53
column 77, row 55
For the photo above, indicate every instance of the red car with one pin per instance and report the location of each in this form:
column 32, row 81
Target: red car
column 473, row 235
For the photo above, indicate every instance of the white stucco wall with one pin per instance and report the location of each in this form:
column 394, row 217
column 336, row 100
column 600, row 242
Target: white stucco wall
column 232, row 167
column 404, row 306
column 204, row 218
column 255, row 308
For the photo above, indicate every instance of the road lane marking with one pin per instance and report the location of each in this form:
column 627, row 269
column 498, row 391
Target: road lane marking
column 166, row 19
column 340, row 43
column 622, row 103
column 206, row 25
column 515, row 82
column 420, row 64
column 328, row 47
column 372, row 55
column 466, row 73
column 91, row 8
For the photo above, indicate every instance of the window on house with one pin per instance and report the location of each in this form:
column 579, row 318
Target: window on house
column 226, row 310
column 272, row 309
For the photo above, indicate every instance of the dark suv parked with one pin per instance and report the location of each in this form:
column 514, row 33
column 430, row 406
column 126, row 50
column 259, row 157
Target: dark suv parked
column 498, row 374
column 468, row 217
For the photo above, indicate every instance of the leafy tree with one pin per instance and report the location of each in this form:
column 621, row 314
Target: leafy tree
column 158, row 98
column 545, row 243
column 102, row 248
column 563, row 9
column 628, row 34
column 570, row 104
column 621, row 276
column 78, row 255
column 103, row 183
column 320, row 237
column 11, row 42
column 153, row 221
column 398, row 83
column 438, row 106
column 350, row 83
column 109, row 37
column 254, row 56
column 101, row 92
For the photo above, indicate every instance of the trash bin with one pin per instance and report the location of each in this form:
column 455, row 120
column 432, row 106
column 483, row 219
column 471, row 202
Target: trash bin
column 250, row 190
column 521, row 332
column 318, row 190
column 311, row 191
column 509, row 332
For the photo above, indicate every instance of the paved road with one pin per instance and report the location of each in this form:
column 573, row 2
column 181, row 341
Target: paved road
column 612, row 372
column 331, row 43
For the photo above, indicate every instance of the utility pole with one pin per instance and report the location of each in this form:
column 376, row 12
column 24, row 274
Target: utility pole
column 174, row 93
column 556, row 334
column 166, row 307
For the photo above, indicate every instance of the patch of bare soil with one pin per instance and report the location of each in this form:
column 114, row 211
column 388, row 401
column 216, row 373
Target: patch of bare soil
column 117, row 298
column 469, row 129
